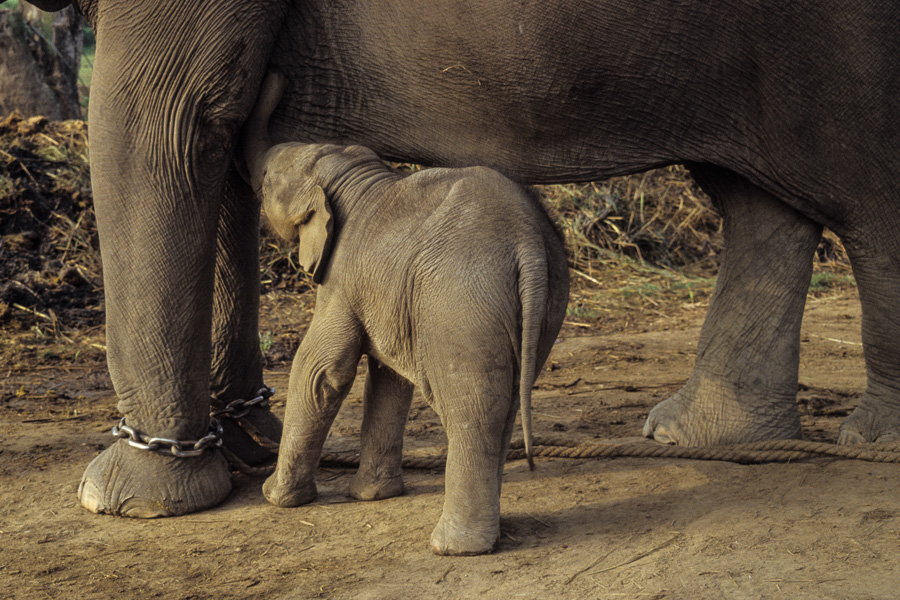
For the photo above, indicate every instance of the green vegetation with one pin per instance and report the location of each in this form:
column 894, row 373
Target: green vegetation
column 825, row 281
column 86, row 67
column 680, row 288
column 266, row 341
column 86, row 71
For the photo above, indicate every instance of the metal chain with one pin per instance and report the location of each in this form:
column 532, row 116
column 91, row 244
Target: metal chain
column 239, row 408
column 179, row 448
column 190, row 448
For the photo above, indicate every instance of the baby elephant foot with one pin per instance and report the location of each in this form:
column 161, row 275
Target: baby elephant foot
column 872, row 421
column 363, row 487
column 448, row 539
column 690, row 418
column 129, row 482
column 288, row 496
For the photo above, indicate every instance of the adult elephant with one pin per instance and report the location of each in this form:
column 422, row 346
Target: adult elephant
column 786, row 113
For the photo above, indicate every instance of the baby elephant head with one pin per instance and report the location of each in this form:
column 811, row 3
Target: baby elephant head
column 285, row 177
column 296, row 205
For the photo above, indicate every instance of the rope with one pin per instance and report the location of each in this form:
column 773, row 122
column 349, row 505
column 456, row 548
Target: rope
column 754, row 453
column 773, row 451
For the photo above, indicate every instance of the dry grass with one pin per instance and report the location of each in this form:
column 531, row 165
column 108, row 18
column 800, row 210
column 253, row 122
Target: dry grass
column 639, row 246
column 45, row 190
column 660, row 217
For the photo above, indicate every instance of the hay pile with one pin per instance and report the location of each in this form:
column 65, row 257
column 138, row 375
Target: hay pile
column 659, row 217
column 49, row 255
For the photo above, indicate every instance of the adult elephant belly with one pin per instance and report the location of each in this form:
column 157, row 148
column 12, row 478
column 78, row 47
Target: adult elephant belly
column 762, row 122
column 511, row 88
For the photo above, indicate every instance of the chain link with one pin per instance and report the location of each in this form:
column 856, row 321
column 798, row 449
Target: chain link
column 179, row 448
column 239, row 408
column 188, row 448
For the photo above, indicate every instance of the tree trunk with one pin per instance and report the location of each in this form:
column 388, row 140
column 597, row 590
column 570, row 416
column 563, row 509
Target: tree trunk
column 40, row 54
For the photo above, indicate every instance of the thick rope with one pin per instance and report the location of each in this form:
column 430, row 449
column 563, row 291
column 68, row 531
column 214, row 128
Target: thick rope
column 754, row 453
column 772, row 451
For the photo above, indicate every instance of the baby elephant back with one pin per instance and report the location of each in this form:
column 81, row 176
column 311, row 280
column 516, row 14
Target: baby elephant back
column 489, row 245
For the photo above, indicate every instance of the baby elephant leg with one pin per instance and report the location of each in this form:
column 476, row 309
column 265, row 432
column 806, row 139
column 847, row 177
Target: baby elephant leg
column 385, row 409
column 321, row 376
column 478, row 426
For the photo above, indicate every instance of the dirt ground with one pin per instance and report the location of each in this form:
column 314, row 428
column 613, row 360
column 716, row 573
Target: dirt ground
column 587, row 528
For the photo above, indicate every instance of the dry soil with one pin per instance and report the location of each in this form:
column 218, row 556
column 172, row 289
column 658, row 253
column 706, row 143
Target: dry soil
column 622, row 528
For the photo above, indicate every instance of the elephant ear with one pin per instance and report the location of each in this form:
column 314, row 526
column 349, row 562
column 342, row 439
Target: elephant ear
column 315, row 226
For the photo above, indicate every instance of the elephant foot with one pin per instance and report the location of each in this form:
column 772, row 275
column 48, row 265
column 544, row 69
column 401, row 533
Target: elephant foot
column 129, row 482
column 872, row 421
column 364, row 487
column 288, row 496
column 694, row 419
column 448, row 539
column 253, row 437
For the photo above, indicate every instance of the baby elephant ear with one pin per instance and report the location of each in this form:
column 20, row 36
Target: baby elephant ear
column 315, row 228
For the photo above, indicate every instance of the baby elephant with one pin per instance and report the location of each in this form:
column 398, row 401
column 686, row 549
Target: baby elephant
column 454, row 280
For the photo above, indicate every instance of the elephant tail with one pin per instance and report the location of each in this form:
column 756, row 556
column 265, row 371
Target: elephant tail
column 534, row 294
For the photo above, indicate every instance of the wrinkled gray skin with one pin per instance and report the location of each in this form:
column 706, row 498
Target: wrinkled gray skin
column 785, row 112
column 452, row 279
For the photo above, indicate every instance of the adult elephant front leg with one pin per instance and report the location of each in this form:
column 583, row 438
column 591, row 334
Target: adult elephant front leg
column 164, row 109
column 251, row 432
column 744, row 383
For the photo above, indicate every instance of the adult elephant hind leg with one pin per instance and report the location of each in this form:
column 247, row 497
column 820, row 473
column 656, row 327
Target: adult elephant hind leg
column 251, row 434
column 386, row 407
column 161, row 131
column 744, row 382
column 875, row 255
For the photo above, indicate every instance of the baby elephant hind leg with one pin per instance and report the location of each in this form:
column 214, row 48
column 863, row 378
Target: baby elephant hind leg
column 476, row 412
column 385, row 409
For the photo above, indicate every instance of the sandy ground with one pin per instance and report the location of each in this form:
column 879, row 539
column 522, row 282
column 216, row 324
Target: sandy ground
column 623, row 528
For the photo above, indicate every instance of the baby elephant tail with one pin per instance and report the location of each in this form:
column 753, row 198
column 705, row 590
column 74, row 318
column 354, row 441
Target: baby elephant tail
column 534, row 295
